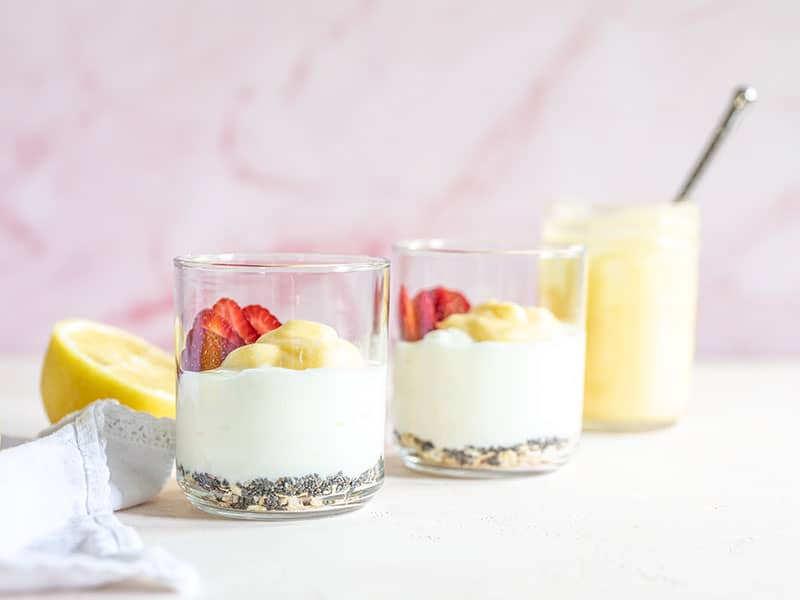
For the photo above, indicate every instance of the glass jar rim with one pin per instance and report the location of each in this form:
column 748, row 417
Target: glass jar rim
column 458, row 247
column 307, row 262
column 594, row 223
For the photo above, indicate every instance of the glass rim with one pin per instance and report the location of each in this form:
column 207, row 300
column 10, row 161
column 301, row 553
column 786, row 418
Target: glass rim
column 307, row 262
column 456, row 247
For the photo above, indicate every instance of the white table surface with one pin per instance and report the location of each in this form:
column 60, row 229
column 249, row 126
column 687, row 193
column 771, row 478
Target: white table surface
column 707, row 509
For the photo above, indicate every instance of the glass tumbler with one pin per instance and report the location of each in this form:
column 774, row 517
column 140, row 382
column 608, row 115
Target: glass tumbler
column 281, row 382
column 488, row 357
column 642, row 297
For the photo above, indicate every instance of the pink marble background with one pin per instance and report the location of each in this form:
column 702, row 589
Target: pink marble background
column 134, row 131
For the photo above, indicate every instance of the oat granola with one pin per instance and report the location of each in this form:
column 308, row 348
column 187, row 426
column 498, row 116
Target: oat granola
column 534, row 452
column 282, row 494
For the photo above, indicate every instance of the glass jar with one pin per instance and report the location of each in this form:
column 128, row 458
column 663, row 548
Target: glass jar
column 488, row 357
column 281, row 382
column 641, row 306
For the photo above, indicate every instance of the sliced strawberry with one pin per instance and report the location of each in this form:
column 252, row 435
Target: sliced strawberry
column 216, row 323
column 188, row 358
column 426, row 312
column 448, row 302
column 208, row 342
column 409, row 326
column 204, row 350
column 260, row 318
column 230, row 311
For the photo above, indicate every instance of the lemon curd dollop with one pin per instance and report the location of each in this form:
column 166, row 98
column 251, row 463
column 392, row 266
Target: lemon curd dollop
column 495, row 321
column 297, row 345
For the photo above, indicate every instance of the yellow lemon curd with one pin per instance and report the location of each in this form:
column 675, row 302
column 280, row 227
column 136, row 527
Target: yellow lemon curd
column 641, row 304
column 496, row 321
column 296, row 345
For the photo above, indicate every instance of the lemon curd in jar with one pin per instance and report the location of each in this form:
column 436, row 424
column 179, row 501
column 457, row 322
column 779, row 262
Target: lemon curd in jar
column 641, row 306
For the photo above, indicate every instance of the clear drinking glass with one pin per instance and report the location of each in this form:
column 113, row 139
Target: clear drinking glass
column 642, row 296
column 488, row 357
column 281, row 382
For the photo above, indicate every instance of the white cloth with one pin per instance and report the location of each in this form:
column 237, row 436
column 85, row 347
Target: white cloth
column 57, row 497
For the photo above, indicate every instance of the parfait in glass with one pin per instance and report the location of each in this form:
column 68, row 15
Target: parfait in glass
column 281, row 382
column 488, row 357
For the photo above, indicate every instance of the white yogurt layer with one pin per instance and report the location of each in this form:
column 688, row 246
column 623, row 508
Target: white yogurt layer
column 455, row 392
column 274, row 422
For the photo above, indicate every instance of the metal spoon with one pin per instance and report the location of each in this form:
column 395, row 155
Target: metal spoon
column 742, row 97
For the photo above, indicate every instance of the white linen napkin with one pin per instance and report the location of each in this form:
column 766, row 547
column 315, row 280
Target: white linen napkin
column 57, row 497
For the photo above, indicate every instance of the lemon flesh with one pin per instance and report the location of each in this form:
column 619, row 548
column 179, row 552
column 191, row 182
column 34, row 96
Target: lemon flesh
column 87, row 361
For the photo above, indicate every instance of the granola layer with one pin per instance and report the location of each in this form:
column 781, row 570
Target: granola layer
column 531, row 453
column 309, row 492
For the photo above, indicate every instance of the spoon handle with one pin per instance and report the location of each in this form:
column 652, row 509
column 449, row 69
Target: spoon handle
column 742, row 97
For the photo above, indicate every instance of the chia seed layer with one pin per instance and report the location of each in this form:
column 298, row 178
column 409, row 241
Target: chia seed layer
column 534, row 452
column 309, row 492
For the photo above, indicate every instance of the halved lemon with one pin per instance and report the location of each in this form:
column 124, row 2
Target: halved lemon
column 88, row 361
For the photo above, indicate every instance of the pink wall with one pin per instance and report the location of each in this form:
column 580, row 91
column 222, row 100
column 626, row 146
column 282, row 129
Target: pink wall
column 133, row 131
